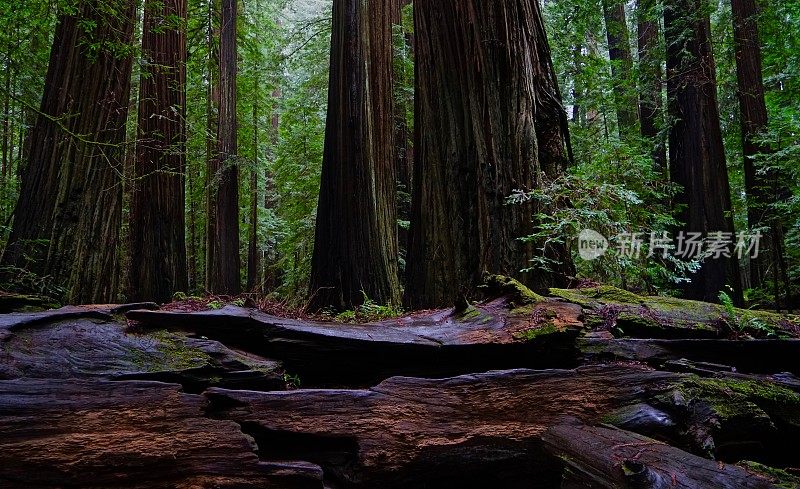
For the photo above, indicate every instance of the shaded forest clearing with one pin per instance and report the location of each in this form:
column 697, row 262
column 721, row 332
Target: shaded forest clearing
column 592, row 387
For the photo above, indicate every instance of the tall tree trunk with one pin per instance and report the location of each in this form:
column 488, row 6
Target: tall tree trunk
column 697, row 155
column 223, row 256
column 619, row 51
column 68, row 215
column 253, row 256
column 650, row 104
column 4, row 173
column 355, row 250
column 158, row 227
column 760, row 187
column 192, row 252
column 488, row 122
column 212, row 129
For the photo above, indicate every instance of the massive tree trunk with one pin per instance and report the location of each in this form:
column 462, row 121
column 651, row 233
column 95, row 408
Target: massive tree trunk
column 212, row 125
column 158, row 235
column 223, row 254
column 619, row 51
column 355, row 251
column 68, row 216
column 488, row 122
column 760, row 187
column 697, row 155
column 650, row 104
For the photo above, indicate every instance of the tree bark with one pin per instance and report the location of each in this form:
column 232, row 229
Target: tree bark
column 696, row 154
column 4, row 173
column 489, row 121
column 760, row 188
column 158, row 228
column 68, row 216
column 355, row 252
column 253, row 256
column 212, row 125
column 650, row 103
column 223, row 256
column 619, row 51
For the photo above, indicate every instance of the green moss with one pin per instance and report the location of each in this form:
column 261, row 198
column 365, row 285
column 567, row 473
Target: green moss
column 779, row 477
column 171, row 354
column 655, row 313
column 470, row 313
column 533, row 333
column 513, row 289
column 734, row 398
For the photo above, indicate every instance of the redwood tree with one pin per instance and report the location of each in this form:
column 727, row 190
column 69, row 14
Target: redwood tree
column 223, row 274
column 67, row 220
column 760, row 186
column 696, row 153
column 355, row 251
column 650, row 74
column 619, row 51
column 488, row 122
column 158, row 237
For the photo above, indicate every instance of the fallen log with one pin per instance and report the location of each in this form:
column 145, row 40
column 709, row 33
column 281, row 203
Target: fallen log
column 601, row 457
column 466, row 431
column 751, row 356
column 100, row 434
column 105, row 312
column 626, row 314
column 463, row 430
column 492, row 335
column 88, row 344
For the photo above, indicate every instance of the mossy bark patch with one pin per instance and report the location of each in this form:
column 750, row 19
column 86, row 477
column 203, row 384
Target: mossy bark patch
column 628, row 314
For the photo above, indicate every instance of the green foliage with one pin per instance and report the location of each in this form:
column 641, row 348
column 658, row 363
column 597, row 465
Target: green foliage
column 298, row 154
column 369, row 311
column 291, row 381
column 617, row 191
column 744, row 323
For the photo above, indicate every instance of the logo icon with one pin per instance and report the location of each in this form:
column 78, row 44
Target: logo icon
column 591, row 245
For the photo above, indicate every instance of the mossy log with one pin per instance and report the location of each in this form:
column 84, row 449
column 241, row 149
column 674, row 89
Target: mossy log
column 468, row 431
column 600, row 457
column 497, row 334
column 101, row 434
column 752, row 356
column 10, row 302
column 631, row 315
column 89, row 343
column 464, row 431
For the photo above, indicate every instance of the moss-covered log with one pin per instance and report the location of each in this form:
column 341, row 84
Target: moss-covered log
column 90, row 343
column 510, row 332
column 627, row 314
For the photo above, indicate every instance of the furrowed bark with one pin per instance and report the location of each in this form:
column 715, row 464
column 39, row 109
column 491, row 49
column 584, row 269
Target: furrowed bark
column 75, row 162
column 223, row 256
column 762, row 189
column 488, row 122
column 619, row 51
column 697, row 155
column 158, row 235
column 355, row 251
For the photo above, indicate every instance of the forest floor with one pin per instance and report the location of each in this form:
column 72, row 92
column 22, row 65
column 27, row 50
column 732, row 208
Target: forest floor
column 590, row 387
